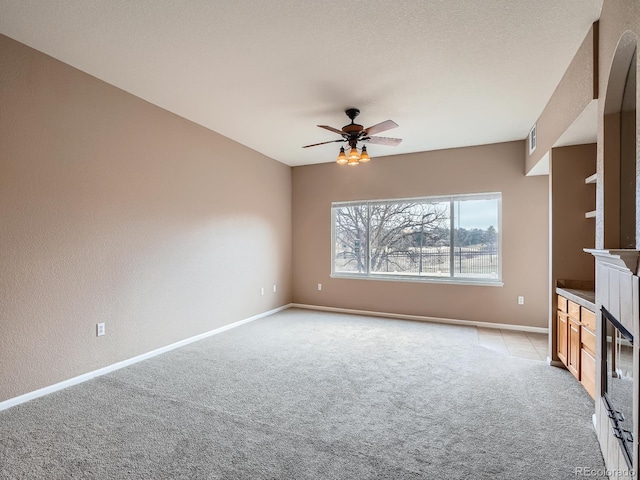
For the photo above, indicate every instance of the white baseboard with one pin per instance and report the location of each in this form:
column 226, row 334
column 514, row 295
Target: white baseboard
column 419, row 318
column 130, row 361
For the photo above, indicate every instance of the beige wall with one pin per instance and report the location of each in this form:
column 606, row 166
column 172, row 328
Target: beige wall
column 571, row 198
column 572, row 95
column 113, row 210
column 487, row 168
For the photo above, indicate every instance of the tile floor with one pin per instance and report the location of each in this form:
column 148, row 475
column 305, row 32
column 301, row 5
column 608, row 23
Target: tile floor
column 533, row 346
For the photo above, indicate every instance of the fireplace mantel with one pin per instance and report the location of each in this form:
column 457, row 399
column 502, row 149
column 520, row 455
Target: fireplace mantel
column 623, row 259
column 618, row 294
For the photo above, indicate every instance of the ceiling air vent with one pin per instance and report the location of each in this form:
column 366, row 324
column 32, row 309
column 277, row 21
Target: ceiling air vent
column 532, row 139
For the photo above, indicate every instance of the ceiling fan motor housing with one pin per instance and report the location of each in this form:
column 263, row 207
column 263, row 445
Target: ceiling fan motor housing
column 352, row 128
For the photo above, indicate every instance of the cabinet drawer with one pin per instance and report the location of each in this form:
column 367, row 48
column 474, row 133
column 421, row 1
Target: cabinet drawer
column 588, row 319
column 562, row 304
column 574, row 310
column 588, row 339
column 588, row 372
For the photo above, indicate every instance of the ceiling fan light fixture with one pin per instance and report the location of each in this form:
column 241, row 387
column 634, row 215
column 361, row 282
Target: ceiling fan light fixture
column 353, row 133
column 354, row 156
column 364, row 156
column 342, row 157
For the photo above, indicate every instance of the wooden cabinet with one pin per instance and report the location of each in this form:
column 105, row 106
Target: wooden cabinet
column 588, row 361
column 588, row 319
column 573, row 311
column 573, row 360
column 588, row 339
column 576, row 341
column 588, row 371
column 562, row 326
column 563, row 304
column 588, row 352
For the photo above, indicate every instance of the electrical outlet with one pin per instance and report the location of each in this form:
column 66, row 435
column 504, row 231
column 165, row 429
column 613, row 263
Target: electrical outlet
column 100, row 331
column 520, row 300
column 262, row 291
column 319, row 286
column 275, row 288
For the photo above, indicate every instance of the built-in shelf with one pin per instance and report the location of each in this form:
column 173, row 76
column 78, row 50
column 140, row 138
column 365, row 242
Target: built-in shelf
column 591, row 214
column 591, row 178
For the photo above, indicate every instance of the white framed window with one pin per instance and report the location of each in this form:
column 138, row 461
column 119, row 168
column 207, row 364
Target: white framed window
column 452, row 239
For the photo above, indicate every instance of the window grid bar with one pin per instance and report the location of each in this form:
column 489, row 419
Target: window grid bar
column 452, row 251
column 368, row 253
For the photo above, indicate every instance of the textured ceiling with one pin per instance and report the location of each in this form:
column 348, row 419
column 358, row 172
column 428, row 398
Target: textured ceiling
column 265, row 73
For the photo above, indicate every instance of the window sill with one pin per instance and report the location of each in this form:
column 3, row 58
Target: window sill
column 482, row 282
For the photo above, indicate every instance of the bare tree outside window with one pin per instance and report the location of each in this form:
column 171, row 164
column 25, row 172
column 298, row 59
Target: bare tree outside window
column 350, row 237
column 409, row 238
column 418, row 237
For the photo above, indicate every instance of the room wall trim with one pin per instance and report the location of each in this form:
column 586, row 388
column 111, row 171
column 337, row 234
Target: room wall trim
column 420, row 318
column 130, row 361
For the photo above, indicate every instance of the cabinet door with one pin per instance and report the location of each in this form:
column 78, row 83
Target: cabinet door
column 588, row 372
column 573, row 360
column 562, row 337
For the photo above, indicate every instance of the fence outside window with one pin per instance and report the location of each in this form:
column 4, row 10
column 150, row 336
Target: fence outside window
column 456, row 237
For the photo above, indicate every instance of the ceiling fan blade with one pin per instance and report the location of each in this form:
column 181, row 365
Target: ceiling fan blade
column 380, row 127
column 393, row 142
column 322, row 143
column 331, row 129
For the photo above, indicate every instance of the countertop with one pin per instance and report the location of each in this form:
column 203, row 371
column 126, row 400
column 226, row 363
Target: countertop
column 584, row 298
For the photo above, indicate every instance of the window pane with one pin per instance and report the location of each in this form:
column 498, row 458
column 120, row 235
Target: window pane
column 350, row 237
column 434, row 242
column 410, row 238
column 475, row 253
column 453, row 237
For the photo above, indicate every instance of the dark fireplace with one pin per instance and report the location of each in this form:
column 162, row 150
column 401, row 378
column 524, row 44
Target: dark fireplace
column 617, row 379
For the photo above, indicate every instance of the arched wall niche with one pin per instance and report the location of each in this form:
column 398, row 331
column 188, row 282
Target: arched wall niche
column 625, row 51
column 620, row 166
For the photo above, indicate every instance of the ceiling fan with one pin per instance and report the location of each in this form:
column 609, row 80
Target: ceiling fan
column 354, row 133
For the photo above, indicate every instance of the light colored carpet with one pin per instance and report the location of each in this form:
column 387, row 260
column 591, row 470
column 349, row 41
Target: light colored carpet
column 312, row 395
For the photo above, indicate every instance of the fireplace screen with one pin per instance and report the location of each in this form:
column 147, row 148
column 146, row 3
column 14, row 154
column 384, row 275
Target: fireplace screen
column 618, row 381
